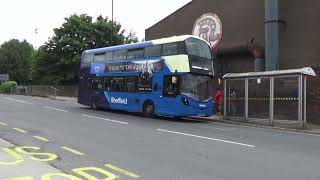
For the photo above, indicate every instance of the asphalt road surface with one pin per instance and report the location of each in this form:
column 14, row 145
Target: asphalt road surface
column 135, row 147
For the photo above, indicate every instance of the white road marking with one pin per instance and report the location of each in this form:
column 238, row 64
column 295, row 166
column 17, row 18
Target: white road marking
column 55, row 109
column 110, row 120
column 208, row 138
column 72, row 151
column 26, row 102
column 41, row 138
column 225, row 129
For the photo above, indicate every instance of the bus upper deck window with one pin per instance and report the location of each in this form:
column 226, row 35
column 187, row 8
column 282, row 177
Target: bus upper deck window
column 109, row 56
column 120, row 55
column 135, row 53
column 170, row 49
column 153, row 51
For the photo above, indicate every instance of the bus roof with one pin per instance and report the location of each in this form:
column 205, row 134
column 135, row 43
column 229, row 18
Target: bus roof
column 142, row 44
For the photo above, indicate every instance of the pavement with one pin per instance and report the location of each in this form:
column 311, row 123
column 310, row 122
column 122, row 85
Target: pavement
column 13, row 164
column 118, row 145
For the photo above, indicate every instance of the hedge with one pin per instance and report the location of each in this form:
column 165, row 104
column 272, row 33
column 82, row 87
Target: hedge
column 8, row 87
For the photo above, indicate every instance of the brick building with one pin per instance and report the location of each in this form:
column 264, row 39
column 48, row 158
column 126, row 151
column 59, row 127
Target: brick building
column 242, row 44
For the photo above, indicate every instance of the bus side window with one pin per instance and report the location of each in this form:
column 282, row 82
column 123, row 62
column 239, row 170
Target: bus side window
column 86, row 60
column 171, row 86
column 130, row 84
column 170, row 49
column 135, row 53
column 97, row 84
column 109, row 56
column 99, row 57
column 120, row 55
column 152, row 51
column 107, row 83
column 117, row 84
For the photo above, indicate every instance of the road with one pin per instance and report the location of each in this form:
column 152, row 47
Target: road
column 134, row 147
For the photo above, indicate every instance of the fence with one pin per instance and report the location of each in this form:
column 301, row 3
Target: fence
column 48, row 91
column 271, row 97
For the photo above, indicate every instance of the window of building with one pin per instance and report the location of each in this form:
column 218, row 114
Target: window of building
column 170, row 49
column 109, row 55
column 120, row 55
column 135, row 53
column 153, row 51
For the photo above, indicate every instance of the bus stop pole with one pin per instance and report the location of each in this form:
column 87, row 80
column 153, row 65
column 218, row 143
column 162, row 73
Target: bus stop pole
column 225, row 99
column 305, row 101
column 300, row 101
column 246, row 98
column 271, row 107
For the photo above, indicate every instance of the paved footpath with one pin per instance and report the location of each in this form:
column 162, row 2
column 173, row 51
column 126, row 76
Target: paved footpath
column 13, row 164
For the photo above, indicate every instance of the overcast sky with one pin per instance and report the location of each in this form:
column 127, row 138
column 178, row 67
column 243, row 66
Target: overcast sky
column 20, row 18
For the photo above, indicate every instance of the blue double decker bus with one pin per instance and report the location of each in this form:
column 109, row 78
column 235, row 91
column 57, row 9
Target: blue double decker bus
column 165, row 77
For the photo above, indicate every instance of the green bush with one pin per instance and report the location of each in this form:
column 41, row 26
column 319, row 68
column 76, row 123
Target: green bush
column 8, row 87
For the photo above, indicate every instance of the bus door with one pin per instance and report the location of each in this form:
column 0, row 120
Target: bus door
column 171, row 88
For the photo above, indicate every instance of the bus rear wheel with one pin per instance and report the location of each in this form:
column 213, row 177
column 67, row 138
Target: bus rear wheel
column 148, row 109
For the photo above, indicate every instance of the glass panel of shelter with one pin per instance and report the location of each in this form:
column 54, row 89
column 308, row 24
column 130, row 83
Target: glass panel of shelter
column 259, row 98
column 286, row 98
column 235, row 98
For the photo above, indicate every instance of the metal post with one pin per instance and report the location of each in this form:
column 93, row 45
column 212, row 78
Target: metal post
column 246, row 84
column 271, row 107
column 300, row 102
column 225, row 99
column 272, row 34
column 305, row 101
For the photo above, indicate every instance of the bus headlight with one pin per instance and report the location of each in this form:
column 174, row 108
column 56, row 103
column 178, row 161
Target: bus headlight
column 185, row 101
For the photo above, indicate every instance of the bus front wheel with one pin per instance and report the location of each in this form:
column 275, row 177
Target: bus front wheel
column 148, row 109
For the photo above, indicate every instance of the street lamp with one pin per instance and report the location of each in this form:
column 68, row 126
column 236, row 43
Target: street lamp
column 112, row 22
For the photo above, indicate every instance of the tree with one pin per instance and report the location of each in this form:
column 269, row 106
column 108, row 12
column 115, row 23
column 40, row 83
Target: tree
column 59, row 59
column 15, row 60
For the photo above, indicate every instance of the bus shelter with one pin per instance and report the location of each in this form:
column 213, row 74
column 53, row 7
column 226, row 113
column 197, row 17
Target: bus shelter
column 270, row 97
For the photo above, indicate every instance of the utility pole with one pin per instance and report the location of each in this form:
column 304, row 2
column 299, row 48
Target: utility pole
column 272, row 35
column 112, row 22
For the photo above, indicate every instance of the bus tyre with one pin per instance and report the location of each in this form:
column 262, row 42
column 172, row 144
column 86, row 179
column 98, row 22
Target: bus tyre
column 148, row 109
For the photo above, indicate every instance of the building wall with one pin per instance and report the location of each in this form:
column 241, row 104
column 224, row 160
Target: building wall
column 243, row 23
column 300, row 35
column 241, row 20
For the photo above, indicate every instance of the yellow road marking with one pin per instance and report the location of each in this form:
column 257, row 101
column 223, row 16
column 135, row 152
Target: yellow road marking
column 3, row 124
column 41, row 138
column 20, row 130
column 21, row 178
column 72, row 151
column 123, row 171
